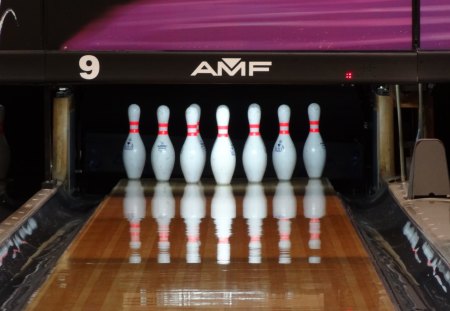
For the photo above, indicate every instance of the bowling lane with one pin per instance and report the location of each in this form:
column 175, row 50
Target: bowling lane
column 289, row 246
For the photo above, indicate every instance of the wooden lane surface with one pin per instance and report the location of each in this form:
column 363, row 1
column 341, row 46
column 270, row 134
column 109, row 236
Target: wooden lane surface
column 97, row 270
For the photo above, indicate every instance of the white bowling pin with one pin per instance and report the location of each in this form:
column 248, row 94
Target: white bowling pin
column 202, row 143
column 314, row 208
column 314, row 152
column 254, row 157
column 5, row 152
column 223, row 155
column 134, row 211
column 134, row 153
column 163, row 153
column 255, row 210
column 223, row 211
column 192, row 156
column 284, row 154
column 193, row 209
column 284, row 209
column 163, row 210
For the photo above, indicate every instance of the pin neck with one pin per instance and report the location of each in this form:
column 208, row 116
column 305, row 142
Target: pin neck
column 134, row 127
column 314, row 126
column 284, row 128
column 254, row 129
column 163, row 128
column 222, row 131
column 192, row 129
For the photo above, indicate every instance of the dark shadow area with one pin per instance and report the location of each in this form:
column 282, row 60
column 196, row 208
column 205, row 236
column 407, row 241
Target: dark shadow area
column 24, row 131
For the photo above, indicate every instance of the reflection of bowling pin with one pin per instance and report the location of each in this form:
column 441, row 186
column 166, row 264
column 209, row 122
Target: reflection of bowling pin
column 192, row 156
column 413, row 237
column 163, row 210
column 254, row 157
column 134, row 153
column 193, row 205
column 134, row 211
column 223, row 210
column 284, row 155
column 223, row 156
column 255, row 210
column 284, row 209
column 314, row 208
column 202, row 143
column 314, row 152
column 163, row 154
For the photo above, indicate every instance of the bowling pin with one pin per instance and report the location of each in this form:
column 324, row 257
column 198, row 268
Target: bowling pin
column 223, row 155
column 163, row 153
column 255, row 210
column 223, row 211
column 314, row 208
column 134, row 153
column 192, row 156
column 284, row 209
column 163, row 210
column 254, row 156
column 193, row 209
column 314, row 152
column 284, row 154
column 134, row 211
column 202, row 143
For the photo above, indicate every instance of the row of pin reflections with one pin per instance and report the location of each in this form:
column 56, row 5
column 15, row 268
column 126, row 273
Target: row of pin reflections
column 223, row 154
column 223, row 211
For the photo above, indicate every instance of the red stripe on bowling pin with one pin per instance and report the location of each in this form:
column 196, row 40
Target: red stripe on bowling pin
column 163, row 128
column 254, row 129
column 134, row 127
column 222, row 131
column 284, row 128
column 192, row 130
column 314, row 126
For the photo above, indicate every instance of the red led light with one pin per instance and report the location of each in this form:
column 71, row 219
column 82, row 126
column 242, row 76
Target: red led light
column 349, row 75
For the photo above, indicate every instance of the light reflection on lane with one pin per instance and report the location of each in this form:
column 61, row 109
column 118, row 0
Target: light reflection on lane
column 314, row 208
column 193, row 208
column 163, row 210
column 134, row 211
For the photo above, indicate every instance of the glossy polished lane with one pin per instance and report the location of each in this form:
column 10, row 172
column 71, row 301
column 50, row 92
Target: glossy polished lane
column 284, row 246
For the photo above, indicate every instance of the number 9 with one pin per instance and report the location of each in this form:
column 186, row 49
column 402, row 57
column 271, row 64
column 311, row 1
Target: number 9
column 90, row 66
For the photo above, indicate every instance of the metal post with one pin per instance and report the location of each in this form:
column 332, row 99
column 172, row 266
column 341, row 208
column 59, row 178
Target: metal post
column 63, row 138
column 385, row 133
